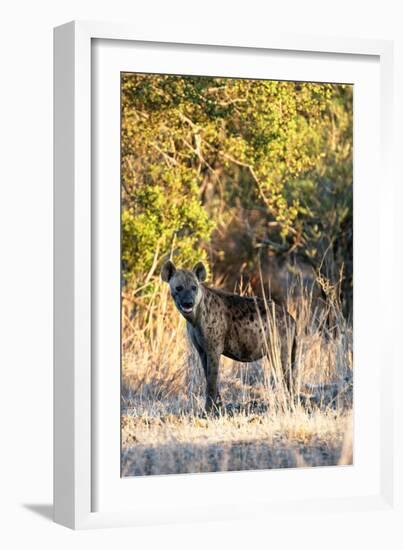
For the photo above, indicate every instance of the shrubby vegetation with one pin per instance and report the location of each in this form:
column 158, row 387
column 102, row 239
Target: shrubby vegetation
column 255, row 178
column 199, row 151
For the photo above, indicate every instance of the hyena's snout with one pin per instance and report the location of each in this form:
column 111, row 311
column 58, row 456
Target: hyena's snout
column 187, row 303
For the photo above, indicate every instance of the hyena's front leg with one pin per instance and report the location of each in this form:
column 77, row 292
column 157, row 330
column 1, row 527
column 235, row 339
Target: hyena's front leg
column 210, row 366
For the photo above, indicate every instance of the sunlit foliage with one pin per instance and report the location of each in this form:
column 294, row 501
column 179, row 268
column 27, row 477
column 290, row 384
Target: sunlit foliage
column 196, row 149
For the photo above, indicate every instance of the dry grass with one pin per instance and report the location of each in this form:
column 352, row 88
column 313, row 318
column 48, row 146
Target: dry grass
column 164, row 429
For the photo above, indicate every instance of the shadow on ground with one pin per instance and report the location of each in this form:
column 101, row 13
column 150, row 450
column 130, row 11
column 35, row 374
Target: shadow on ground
column 43, row 510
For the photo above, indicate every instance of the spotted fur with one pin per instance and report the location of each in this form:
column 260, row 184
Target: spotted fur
column 221, row 323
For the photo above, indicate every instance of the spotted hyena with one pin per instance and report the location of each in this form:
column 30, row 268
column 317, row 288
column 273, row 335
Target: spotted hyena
column 221, row 323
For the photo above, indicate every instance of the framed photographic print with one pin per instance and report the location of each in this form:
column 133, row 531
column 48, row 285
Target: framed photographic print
column 219, row 234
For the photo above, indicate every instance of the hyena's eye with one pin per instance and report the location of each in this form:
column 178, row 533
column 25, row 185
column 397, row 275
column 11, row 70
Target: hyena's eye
column 179, row 288
column 194, row 287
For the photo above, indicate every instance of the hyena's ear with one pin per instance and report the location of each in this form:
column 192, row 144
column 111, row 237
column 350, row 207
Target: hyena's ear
column 167, row 270
column 200, row 271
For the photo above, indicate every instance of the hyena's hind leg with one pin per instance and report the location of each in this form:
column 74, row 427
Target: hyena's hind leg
column 289, row 356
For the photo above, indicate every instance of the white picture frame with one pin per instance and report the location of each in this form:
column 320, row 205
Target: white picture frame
column 84, row 430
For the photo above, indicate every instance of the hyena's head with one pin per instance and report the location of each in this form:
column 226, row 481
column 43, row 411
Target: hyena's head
column 185, row 286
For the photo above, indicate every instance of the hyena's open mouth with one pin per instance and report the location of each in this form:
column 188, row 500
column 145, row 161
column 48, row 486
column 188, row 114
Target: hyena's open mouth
column 186, row 310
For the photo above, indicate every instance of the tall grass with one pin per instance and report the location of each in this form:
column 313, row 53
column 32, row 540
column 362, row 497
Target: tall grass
column 262, row 425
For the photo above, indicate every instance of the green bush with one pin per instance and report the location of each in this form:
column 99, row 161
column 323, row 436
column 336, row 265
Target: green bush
column 196, row 149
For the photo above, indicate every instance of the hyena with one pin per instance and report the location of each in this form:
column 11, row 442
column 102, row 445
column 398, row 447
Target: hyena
column 221, row 323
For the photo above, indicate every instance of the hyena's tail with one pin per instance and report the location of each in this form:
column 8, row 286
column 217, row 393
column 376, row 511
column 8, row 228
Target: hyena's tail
column 293, row 365
column 294, row 353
